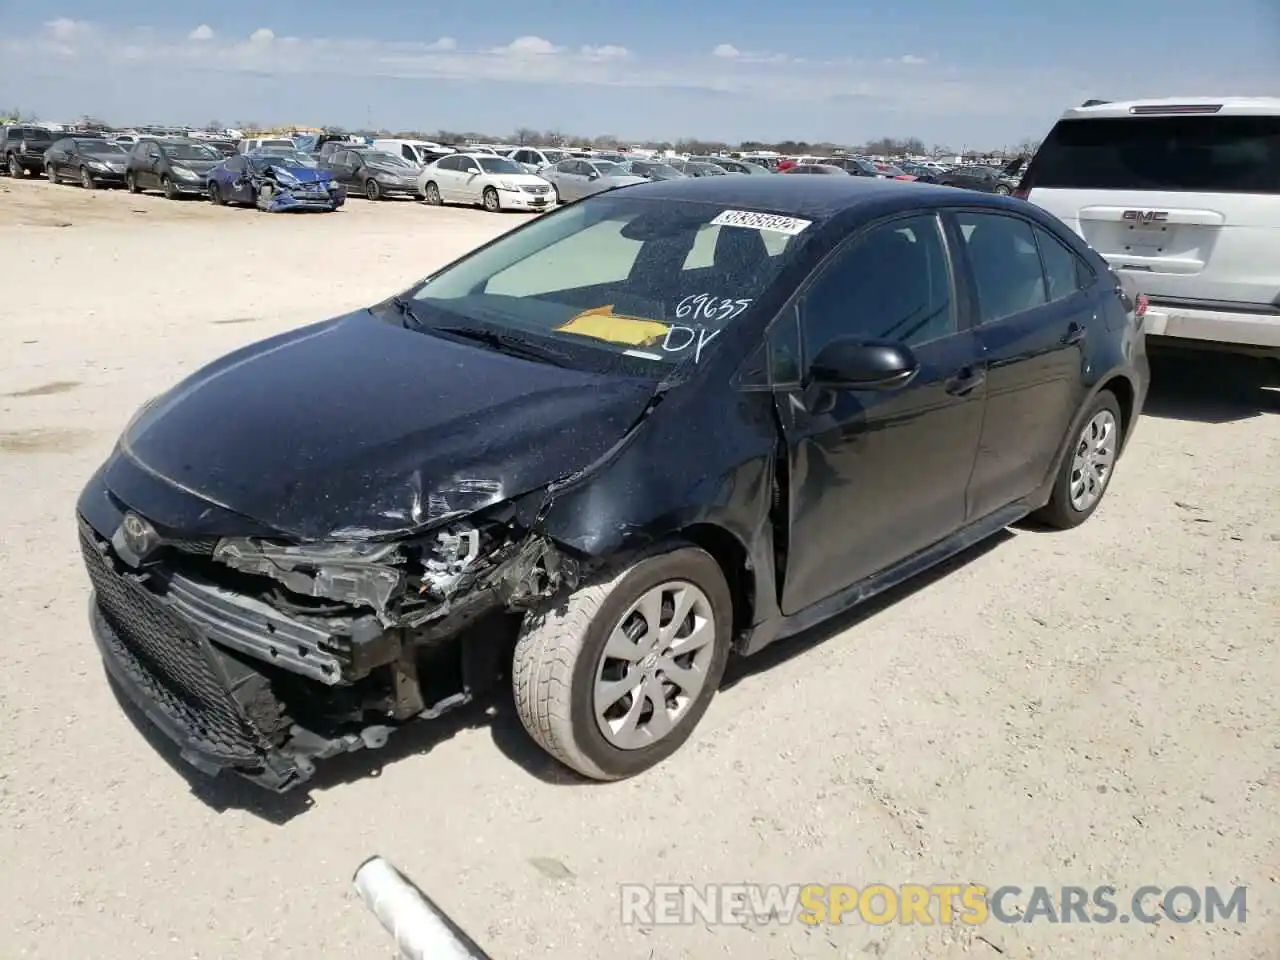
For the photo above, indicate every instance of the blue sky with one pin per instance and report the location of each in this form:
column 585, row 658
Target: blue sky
column 974, row 73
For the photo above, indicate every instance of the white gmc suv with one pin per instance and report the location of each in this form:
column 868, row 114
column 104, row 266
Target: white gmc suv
column 1182, row 196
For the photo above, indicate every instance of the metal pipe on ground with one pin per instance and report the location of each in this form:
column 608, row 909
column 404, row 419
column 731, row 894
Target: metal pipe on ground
column 422, row 931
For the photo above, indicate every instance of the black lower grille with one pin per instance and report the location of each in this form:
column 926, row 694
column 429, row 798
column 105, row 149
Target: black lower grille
column 172, row 663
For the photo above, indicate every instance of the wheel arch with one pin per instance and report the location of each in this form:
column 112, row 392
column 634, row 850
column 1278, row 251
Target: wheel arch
column 731, row 556
column 1121, row 387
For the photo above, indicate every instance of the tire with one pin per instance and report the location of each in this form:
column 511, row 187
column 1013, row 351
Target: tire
column 15, row 168
column 131, row 182
column 170, row 192
column 372, row 190
column 215, row 194
column 1101, row 431
column 1002, row 190
column 432, row 195
column 51, row 173
column 86, row 179
column 490, row 200
column 555, row 195
column 560, row 656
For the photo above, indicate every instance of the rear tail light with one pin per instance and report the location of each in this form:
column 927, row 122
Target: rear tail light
column 1140, row 305
column 1022, row 193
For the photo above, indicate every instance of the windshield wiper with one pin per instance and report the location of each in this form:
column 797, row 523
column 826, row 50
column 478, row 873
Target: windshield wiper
column 409, row 319
column 506, row 343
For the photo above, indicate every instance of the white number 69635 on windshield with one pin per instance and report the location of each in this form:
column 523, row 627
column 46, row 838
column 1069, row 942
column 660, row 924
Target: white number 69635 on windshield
column 703, row 306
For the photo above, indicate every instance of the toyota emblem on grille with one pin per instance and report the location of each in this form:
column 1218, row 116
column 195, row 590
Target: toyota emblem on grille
column 139, row 536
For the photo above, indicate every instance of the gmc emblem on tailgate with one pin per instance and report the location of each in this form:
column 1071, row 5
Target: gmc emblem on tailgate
column 1145, row 217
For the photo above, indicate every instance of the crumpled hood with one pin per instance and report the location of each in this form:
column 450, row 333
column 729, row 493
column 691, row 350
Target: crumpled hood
column 356, row 427
column 302, row 174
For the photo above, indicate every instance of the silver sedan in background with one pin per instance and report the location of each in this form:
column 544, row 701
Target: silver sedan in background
column 576, row 178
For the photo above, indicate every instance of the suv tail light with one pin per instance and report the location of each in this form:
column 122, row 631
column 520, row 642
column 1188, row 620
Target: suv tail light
column 1140, row 305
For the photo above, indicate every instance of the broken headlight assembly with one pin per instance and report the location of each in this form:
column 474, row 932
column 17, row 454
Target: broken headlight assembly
column 362, row 574
column 414, row 579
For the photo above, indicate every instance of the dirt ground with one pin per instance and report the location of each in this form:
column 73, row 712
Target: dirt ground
column 1084, row 708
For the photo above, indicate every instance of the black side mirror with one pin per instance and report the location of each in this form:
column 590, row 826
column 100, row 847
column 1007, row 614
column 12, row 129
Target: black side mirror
column 851, row 364
column 593, row 176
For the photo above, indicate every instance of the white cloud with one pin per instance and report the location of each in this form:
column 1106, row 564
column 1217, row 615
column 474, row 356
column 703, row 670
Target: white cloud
column 65, row 29
column 607, row 52
column 528, row 47
column 855, row 89
column 727, row 51
column 911, row 60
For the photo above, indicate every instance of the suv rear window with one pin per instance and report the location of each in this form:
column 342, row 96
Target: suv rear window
column 1201, row 154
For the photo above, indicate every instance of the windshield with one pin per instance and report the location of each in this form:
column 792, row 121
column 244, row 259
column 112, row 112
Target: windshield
column 644, row 168
column 554, row 156
column 618, row 284
column 499, row 165
column 265, row 159
column 1216, row 154
column 100, row 148
column 188, row 151
column 379, row 159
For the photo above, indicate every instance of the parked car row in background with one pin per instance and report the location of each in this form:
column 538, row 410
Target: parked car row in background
column 318, row 172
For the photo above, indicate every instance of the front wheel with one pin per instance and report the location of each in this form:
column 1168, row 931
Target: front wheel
column 51, row 173
column 131, row 182
column 215, row 194
column 372, row 190
column 612, row 679
column 170, row 191
column 86, row 179
column 1003, row 189
column 15, row 168
column 1088, row 466
column 491, row 201
column 432, row 195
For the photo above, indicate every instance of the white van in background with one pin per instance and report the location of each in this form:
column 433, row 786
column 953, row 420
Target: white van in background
column 1183, row 196
column 417, row 152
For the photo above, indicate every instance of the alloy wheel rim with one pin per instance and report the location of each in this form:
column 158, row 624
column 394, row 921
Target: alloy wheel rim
column 1093, row 460
column 654, row 665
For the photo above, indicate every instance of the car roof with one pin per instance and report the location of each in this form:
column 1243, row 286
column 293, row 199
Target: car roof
column 816, row 198
column 1174, row 106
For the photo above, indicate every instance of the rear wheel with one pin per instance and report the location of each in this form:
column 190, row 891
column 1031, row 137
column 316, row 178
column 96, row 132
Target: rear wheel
column 1087, row 467
column 612, row 679
column 15, row 168
column 51, row 173
column 86, row 179
column 491, row 201
column 1003, row 189
column 432, row 194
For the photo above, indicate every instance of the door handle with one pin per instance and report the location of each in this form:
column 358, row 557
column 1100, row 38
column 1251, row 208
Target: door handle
column 1075, row 333
column 966, row 380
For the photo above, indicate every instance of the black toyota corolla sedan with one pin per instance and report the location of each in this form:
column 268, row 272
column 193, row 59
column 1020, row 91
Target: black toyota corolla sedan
column 594, row 458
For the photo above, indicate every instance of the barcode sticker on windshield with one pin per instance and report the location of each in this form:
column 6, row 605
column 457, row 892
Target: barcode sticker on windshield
column 762, row 221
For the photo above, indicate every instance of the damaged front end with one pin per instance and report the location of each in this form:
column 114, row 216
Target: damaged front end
column 263, row 656
column 278, row 191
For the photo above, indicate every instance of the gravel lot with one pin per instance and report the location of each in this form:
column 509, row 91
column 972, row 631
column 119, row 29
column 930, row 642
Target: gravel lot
column 1100, row 706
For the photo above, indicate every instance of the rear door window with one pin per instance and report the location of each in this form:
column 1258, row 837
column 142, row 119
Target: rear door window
column 1062, row 268
column 1184, row 154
